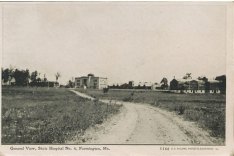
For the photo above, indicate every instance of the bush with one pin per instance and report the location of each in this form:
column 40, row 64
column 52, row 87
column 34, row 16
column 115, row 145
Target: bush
column 181, row 110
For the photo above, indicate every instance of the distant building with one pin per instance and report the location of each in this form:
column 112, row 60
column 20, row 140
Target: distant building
column 213, row 86
column 195, row 86
column 143, row 85
column 155, row 86
column 91, row 81
column 178, row 84
column 222, row 85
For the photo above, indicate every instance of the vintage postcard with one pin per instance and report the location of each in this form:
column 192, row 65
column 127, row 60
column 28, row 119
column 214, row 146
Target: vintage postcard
column 117, row 78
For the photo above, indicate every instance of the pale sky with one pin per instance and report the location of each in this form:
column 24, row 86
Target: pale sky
column 140, row 41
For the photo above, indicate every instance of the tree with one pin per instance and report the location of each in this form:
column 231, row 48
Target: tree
column 188, row 76
column 57, row 76
column 164, row 83
column 44, row 79
column 203, row 78
column 33, row 78
column 21, row 77
column 11, row 72
column 27, row 76
column 5, row 75
column 38, row 80
column 70, row 84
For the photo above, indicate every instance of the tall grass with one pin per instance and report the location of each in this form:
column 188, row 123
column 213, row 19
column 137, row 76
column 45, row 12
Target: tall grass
column 42, row 115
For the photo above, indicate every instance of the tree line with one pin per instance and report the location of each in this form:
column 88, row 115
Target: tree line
column 19, row 77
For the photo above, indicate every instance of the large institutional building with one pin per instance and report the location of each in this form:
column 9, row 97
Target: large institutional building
column 91, row 81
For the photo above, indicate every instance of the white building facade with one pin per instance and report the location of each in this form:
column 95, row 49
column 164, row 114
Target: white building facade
column 91, row 81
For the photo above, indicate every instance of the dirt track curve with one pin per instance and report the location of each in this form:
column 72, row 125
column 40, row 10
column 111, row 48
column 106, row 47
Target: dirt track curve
column 139, row 123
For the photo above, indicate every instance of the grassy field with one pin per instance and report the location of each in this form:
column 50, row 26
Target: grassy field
column 42, row 115
column 208, row 110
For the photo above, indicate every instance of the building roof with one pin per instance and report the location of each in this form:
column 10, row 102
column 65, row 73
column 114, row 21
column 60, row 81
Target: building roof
column 213, row 81
column 90, row 74
column 144, row 83
column 88, row 77
column 180, row 81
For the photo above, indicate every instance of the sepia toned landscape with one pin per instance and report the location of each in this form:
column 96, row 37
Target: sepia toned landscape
column 33, row 113
column 124, row 73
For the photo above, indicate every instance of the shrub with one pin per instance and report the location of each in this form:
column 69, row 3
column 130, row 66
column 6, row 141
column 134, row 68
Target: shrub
column 181, row 110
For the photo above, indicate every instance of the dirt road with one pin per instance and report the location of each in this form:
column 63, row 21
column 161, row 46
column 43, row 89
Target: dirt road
column 139, row 123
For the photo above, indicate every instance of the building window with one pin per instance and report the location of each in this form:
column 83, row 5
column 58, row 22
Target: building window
column 85, row 82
